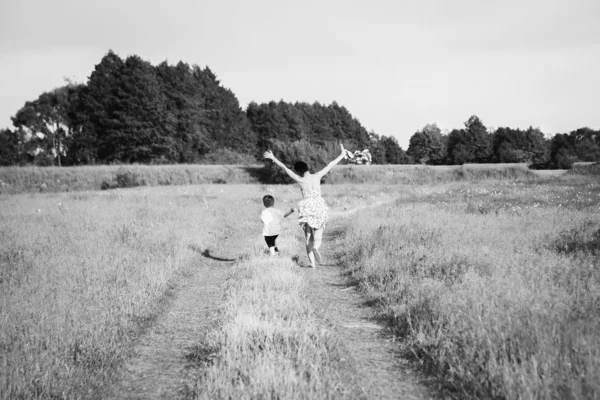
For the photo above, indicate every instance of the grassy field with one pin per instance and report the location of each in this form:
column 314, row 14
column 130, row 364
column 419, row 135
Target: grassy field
column 269, row 343
column 54, row 179
column 493, row 285
column 82, row 274
column 15, row 180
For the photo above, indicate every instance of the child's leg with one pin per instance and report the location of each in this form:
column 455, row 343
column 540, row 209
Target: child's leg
column 271, row 243
column 308, row 233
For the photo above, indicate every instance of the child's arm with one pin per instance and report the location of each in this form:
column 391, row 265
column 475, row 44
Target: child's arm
column 287, row 214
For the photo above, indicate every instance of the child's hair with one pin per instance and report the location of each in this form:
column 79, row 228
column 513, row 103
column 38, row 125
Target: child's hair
column 268, row 200
column 301, row 167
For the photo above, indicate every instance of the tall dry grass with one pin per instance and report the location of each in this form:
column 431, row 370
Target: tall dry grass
column 589, row 169
column 61, row 179
column 269, row 343
column 82, row 274
column 495, row 287
column 423, row 174
column 54, row 179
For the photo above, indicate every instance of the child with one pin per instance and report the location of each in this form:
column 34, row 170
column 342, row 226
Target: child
column 271, row 218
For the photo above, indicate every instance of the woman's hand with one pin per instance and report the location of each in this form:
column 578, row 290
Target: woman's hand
column 269, row 155
column 346, row 153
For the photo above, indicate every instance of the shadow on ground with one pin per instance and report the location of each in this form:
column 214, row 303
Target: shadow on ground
column 206, row 253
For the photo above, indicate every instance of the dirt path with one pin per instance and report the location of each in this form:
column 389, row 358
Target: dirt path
column 157, row 369
column 382, row 373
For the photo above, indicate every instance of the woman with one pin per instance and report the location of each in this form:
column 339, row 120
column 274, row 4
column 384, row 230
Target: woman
column 312, row 210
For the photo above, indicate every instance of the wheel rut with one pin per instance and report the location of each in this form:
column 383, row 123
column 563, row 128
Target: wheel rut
column 157, row 369
column 381, row 371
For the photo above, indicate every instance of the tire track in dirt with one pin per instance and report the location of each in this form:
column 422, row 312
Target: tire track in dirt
column 157, row 368
column 382, row 372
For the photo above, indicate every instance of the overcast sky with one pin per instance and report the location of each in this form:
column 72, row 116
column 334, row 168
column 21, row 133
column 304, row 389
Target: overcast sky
column 395, row 65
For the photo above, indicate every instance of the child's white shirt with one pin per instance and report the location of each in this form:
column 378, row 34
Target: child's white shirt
column 271, row 218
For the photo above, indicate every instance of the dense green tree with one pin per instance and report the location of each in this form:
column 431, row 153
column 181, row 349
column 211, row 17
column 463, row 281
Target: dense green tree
column 100, row 101
column 377, row 149
column 82, row 144
column 458, row 149
column 586, row 144
column 9, row 147
column 132, row 125
column 318, row 124
column 393, row 152
column 47, row 122
column 562, row 152
column 229, row 126
column 469, row 145
column 186, row 111
column 517, row 146
column 427, row 146
column 478, row 139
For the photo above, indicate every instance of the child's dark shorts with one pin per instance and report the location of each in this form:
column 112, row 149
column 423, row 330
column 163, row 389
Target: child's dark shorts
column 271, row 240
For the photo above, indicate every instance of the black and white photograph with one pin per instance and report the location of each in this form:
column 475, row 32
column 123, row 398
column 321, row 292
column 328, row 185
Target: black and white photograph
column 298, row 200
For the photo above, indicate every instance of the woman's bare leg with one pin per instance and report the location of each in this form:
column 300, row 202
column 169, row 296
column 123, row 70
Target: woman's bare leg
column 318, row 238
column 308, row 233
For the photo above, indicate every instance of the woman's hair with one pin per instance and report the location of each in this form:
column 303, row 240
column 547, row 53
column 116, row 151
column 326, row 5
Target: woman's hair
column 300, row 167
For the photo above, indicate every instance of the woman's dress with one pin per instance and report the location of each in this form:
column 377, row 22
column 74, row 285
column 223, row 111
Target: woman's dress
column 312, row 210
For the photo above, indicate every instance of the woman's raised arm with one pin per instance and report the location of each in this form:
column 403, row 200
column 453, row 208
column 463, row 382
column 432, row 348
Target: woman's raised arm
column 269, row 154
column 332, row 164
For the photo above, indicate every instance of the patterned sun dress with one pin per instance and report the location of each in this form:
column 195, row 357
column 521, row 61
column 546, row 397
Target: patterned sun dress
column 312, row 210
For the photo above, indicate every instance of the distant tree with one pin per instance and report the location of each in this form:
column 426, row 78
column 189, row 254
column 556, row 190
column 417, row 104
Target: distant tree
column 478, row 139
column 83, row 143
column 427, row 146
column 517, row 146
column 9, row 147
column 469, row 145
column 586, row 144
column 562, row 153
column 229, row 126
column 101, row 104
column 377, row 149
column 535, row 146
column 318, row 124
column 458, row 149
column 393, row 152
column 129, row 111
column 186, row 111
column 47, row 121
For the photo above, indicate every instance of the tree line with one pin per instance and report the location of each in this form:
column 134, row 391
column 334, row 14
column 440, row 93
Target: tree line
column 476, row 144
column 130, row 111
